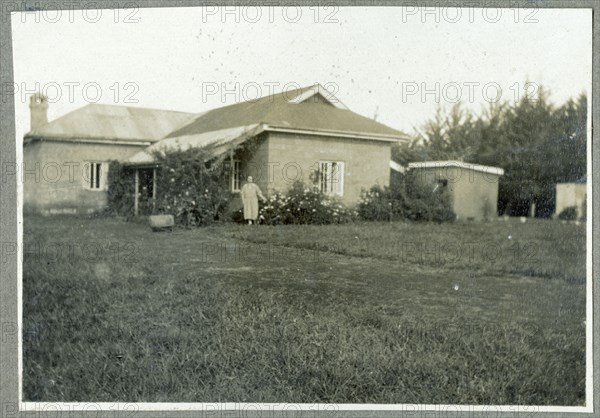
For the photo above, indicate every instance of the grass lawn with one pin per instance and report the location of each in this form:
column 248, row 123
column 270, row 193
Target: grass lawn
column 480, row 313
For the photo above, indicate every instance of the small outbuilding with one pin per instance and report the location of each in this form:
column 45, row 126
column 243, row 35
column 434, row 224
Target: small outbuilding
column 472, row 188
column 571, row 195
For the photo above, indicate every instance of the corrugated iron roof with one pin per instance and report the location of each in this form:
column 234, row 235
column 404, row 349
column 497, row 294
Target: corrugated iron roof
column 114, row 122
column 309, row 108
column 459, row 164
column 280, row 110
column 218, row 142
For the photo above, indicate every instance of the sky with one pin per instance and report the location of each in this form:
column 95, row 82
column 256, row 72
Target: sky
column 393, row 64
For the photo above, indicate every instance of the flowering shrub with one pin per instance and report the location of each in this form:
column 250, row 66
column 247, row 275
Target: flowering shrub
column 190, row 188
column 303, row 204
column 189, row 185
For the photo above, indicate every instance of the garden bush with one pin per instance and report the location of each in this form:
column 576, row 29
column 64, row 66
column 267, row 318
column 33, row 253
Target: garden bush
column 427, row 203
column 409, row 200
column 303, row 204
column 121, row 187
column 568, row 214
column 382, row 204
column 190, row 186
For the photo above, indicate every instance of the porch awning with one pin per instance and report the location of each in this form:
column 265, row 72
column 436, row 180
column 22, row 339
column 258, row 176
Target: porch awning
column 217, row 143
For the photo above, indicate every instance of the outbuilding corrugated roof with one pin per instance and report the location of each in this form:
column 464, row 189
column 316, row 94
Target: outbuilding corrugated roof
column 102, row 121
column 459, row 164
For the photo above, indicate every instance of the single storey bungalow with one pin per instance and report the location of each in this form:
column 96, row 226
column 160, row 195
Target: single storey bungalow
column 298, row 133
column 472, row 188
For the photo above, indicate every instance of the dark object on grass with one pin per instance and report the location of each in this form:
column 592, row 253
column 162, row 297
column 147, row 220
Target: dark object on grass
column 161, row 222
column 237, row 216
column 568, row 214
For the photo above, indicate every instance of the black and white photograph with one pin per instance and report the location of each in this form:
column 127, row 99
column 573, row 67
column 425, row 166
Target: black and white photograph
column 299, row 210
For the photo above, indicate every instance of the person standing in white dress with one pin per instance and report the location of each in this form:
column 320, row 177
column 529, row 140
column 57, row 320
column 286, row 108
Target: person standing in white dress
column 250, row 193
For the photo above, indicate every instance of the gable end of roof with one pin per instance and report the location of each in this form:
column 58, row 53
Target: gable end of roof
column 323, row 95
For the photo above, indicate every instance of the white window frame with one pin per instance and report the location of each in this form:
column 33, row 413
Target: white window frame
column 95, row 176
column 235, row 176
column 331, row 177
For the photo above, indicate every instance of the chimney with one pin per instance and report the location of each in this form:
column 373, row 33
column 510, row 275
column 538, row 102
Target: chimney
column 38, row 105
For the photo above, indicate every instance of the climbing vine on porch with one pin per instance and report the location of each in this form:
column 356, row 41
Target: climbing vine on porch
column 121, row 189
column 191, row 185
